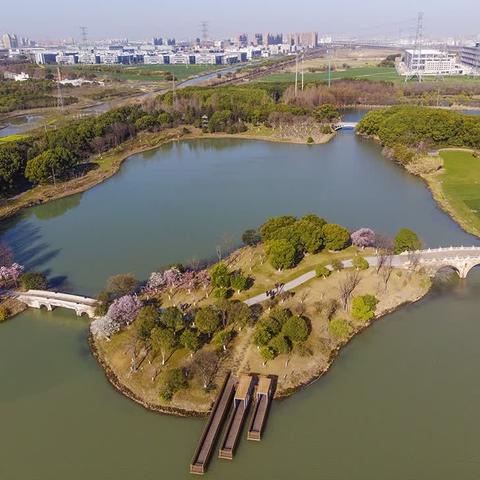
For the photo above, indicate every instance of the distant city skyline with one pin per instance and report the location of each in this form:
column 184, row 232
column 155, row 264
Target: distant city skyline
column 53, row 19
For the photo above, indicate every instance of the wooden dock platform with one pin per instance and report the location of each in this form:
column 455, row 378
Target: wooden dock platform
column 214, row 425
column 241, row 404
column 264, row 395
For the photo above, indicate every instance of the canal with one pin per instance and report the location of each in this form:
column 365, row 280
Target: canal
column 401, row 401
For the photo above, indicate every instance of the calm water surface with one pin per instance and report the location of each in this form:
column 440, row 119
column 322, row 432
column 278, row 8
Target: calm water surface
column 401, row 402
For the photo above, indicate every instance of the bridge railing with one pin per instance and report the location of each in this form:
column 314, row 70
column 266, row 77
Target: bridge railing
column 443, row 250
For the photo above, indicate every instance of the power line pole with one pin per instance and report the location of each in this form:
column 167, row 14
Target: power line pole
column 296, row 74
column 303, row 72
column 417, row 50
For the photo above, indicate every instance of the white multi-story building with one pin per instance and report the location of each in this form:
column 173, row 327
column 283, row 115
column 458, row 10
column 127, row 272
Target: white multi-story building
column 470, row 56
column 430, row 62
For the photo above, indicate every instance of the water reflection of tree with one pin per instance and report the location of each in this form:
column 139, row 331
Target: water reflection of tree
column 57, row 207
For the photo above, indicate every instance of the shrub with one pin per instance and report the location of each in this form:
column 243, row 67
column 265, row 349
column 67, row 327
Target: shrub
column 3, row 314
column 280, row 345
column 337, row 265
column 340, row 329
column 268, row 353
column 251, row 237
column 363, row 307
column 269, row 228
column 262, row 335
column 310, row 140
column 359, row 263
column 220, row 275
column 322, row 271
column 33, row 281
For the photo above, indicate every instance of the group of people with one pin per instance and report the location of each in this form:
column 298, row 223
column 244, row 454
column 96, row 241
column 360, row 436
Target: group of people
column 276, row 291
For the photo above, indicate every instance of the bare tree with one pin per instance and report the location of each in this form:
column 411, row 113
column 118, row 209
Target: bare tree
column 385, row 249
column 386, row 271
column 6, row 255
column 413, row 263
column 205, row 364
column 347, row 286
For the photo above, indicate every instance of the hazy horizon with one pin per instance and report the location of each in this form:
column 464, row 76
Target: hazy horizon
column 52, row 19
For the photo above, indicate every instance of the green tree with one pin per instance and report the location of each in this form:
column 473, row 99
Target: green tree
column 146, row 320
column 270, row 227
column 296, row 329
column 52, row 163
column 219, row 121
column 326, row 113
column 262, row 335
column 363, row 307
column 336, row 236
column 220, row 276
column 239, row 314
column 163, row 342
column 222, row 338
column 239, row 282
column 407, row 240
column 281, row 254
column 174, row 381
column 251, row 237
column 322, row 271
column 207, row 320
column 189, row 340
column 280, row 344
column 311, row 236
column 172, row 318
column 122, row 284
column 340, row 329
column 221, row 293
column 268, row 353
column 33, row 281
column 314, row 220
column 337, row 265
column 359, row 263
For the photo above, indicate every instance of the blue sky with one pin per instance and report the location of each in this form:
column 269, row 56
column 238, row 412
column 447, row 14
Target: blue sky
column 181, row 18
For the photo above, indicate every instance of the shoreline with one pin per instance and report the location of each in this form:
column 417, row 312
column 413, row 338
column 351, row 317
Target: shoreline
column 45, row 193
column 122, row 389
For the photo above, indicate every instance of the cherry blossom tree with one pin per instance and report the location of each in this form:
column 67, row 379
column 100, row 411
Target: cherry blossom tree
column 365, row 237
column 10, row 275
column 104, row 328
column 124, row 309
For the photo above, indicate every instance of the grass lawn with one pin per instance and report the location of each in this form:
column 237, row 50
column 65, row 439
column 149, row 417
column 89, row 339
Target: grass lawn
column 460, row 185
column 372, row 73
column 12, row 138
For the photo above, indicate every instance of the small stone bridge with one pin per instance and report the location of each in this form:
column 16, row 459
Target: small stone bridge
column 50, row 300
column 345, row 125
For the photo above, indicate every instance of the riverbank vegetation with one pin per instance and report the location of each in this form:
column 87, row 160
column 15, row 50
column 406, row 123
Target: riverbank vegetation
column 413, row 136
column 29, row 95
column 168, row 344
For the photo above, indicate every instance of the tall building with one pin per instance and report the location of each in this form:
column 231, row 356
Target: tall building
column 471, row 56
column 306, row 39
column 10, row 41
column 258, row 39
column 272, row 39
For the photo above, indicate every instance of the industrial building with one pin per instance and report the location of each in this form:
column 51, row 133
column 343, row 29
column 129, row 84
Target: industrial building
column 470, row 56
column 424, row 62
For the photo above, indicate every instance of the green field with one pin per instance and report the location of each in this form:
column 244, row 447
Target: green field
column 460, row 184
column 12, row 138
column 371, row 73
column 388, row 74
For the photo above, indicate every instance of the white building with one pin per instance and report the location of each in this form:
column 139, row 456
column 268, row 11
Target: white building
column 470, row 56
column 18, row 77
column 429, row 62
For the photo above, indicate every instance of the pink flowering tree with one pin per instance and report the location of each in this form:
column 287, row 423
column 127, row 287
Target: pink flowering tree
column 9, row 275
column 365, row 237
column 124, row 309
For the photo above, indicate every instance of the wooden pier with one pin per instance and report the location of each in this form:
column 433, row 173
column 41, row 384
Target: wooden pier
column 264, row 394
column 241, row 403
column 214, row 425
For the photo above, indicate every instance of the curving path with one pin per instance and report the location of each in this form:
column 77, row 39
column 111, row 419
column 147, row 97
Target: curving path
column 462, row 259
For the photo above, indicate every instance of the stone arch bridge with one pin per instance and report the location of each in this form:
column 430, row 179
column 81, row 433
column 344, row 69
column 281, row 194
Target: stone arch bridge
column 50, row 300
column 461, row 259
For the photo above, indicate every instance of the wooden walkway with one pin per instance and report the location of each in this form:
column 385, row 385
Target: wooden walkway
column 214, row 425
column 264, row 395
column 242, row 402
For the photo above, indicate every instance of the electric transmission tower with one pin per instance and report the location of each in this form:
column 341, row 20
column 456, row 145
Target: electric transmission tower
column 417, row 51
column 83, row 31
column 59, row 90
column 204, row 30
